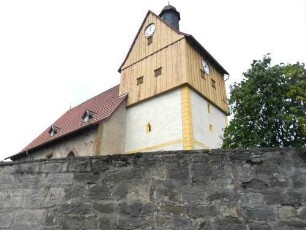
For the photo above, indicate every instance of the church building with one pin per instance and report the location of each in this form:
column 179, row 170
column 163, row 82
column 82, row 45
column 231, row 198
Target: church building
column 171, row 96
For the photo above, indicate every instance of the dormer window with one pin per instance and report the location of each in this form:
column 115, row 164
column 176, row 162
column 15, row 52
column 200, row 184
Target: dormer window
column 87, row 115
column 53, row 130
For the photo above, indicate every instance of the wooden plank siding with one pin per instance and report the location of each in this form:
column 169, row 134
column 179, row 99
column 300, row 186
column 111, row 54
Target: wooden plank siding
column 163, row 36
column 203, row 85
column 169, row 58
column 180, row 62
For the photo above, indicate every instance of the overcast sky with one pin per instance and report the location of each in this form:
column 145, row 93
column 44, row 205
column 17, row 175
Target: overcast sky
column 56, row 54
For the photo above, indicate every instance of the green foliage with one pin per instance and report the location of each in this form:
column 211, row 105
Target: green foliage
column 268, row 107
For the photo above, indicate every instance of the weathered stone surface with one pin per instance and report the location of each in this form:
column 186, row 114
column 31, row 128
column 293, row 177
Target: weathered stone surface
column 257, row 213
column 257, row 226
column 254, row 189
column 286, row 212
column 229, row 223
column 253, row 199
column 255, row 184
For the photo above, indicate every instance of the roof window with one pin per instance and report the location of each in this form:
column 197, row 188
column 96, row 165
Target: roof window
column 87, row 115
column 53, row 130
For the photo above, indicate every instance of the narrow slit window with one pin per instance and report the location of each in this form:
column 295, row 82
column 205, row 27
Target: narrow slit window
column 148, row 128
column 213, row 83
column 208, row 107
column 211, row 128
column 139, row 80
column 149, row 40
column 202, row 74
column 158, row 72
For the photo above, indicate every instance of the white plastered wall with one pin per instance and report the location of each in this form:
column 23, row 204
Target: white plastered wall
column 201, row 119
column 164, row 115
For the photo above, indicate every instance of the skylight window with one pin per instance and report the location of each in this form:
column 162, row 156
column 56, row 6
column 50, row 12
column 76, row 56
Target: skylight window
column 53, row 130
column 87, row 115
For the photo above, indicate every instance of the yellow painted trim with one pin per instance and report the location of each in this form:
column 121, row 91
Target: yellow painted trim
column 155, row 146
column 186, row 118
column 201, row 144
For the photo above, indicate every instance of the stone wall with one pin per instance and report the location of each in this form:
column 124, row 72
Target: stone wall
column 237, row 189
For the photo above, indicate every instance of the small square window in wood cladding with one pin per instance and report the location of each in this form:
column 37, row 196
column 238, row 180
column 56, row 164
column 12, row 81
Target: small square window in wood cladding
column 203, row 75
column 149, row 40
column 213, row 83
column 139, row 80
column 158, row 72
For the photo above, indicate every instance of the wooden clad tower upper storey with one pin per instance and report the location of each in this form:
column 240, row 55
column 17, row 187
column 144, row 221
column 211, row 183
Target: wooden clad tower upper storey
column 162, row 58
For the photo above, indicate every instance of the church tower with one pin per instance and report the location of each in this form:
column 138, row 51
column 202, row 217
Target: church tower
column 176, row 89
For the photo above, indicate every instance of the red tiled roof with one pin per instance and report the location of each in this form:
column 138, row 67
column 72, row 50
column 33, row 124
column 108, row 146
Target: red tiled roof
column 102, row 107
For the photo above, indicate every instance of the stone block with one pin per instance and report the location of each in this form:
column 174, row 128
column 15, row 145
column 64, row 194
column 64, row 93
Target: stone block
column 99, row 166
column 79, row 165
column 200, row 211
column 86, row 178
column 252, row 200
column 74, row 222
column 255, row 184
column 121, row 190
column 135, row 215
column 172, row 209
column 59, row 179
column 302, row 213
column 288, row 198
column 27, row 168
column 165, row 191
column 123, row 175
column 258, row 226
column 100, row 192
column 178, row 171
column 225, row 196
column 28, row 217
column 107, row 223
column 201, row 173
column 228, row 223
column 246, row 172
column 6, row 219
column 29, row 180
column 292, row 224
column 286, row 211
column 102, row 208
column 139, row 191
column 194, row 194
column 80, row 208
column 53, row 167
column 75, row 191
column 263, row 214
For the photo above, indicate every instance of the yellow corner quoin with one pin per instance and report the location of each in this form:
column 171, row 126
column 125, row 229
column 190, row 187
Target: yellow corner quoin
column 187, row 119
column 155, row 146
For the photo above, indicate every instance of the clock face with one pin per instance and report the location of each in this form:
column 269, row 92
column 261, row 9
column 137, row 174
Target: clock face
column 149, row 31
column 205, row 66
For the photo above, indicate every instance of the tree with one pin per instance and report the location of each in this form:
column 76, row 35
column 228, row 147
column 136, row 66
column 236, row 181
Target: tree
column 268, row 107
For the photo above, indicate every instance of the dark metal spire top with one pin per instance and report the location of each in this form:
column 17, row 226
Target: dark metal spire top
column 171, row 16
